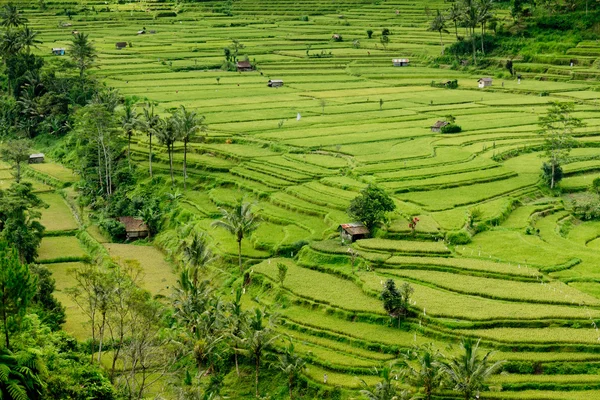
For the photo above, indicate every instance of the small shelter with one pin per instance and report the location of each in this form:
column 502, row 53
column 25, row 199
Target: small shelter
column 275, row 83
column 36, row 158
column 66, row 24
column 353, row 231
column 135, row 227
column 142, row 32
column 437, row 127
column 120, row 45
column 152, row 31
column 244, row 66
column 58, row 51
column 74, row 32
column 484, row 82
column 400, row 62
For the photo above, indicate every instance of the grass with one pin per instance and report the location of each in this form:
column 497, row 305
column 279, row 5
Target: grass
column 57, row 248
column 58, row 216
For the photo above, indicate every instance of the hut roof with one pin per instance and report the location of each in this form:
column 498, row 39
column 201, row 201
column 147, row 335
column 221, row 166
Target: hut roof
column 133, row 224
column 37, row 155
column 400, row 60
column 121, row 44
column 484, row 80
column 440, row 124
column 244, row 64
column 354, row 228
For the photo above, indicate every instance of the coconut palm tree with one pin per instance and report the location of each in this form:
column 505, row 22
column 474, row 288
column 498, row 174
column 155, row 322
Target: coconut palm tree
column 292, row 365
column 167, row 135
column 387, row 389
column 20, row 375
column 196, row 254
column 150, row 126
column 454, row 15
column 238, row 323
column 467, row 372
column 240, row 222
column 82, row 52
column 129, row 122
column 439, row 25
column 423, row 369
column 11, row 17
column 484, row 9
column 28, row 39
column 188, row 124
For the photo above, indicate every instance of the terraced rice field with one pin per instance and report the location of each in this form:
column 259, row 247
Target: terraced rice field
column 345, row 118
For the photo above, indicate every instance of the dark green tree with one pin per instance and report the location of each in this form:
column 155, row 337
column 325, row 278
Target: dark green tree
column 370, row 206
column 83, row 53
column 282, row 270
column 392, row 300
column 167, row 135
column 423, row 369
column 439, row 25
column 187, row 124
column 10, row 17
column 291, row 365
column 17, row 289
column 129, row 123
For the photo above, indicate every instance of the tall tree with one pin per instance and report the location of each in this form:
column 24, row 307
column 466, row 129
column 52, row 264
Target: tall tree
column 188, row 124
column 129, row 123
column 167, row 135
column 28, row 39
column 470, row 18
column 468, row 372
column 16, row 152
column 291, row 365
column 240, row 222
column 439, row 25
column 386, row 389
column 82, row 52
column 238, row 322
column 485, row 14
column 455, row 15
column 151, row 122
column 557, row 127
column 17, row 288
column 10, row 17
column 371, row 205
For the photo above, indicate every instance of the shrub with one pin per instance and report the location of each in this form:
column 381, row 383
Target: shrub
column 451, row 128
column 369, row 33
column 385, row 32
column 304, row 18
column 586, row 206
column 114, row 228
column 458, row 237
column 166, row 14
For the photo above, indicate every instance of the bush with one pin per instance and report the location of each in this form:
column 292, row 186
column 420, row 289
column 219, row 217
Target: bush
column 115, row 229
column 586, row 206
column 304, row 18
column 385, row 32
column 166, row 14
column 458, row 237
column 451, row 128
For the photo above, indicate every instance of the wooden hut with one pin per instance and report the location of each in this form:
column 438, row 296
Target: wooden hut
column 400, row 62
column 58, row 51
column 437, row 127
column 275, row 83
column 484, row 82
column 135, row 227
column 120, row 45
column 36, row 158
column 243, row 66
column 353, row 231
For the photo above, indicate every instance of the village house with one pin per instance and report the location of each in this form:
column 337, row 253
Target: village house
column 135, row 227
column 58, row 51
column 36, row 158
column 353, row 231
column 275, row 83
column 243, row 66
column 437, row 127
column 484, row 82
column 400, row 62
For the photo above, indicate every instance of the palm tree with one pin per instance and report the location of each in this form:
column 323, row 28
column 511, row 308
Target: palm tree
column 82, row 52
column 20, row 375
column 468, row 372
column 484, row 8
column 291, row 365
column 188, row 124
column 387, row 389
column 167, row 135
column 470, row 17
column 150, row 125
column 258, row 338
column 196, row 254
column 240, row 222
column 428, row 371
column 238, row 322
column 129, row 122
column 11, row 17
column 454, row 15
column 28, row 39
column 439, row 25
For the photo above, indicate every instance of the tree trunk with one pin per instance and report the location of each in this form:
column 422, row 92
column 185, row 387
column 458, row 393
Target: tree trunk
column 482, row 34
column 184, row 164
column 240, row 256
column 473, row 45
column 5, row 322
column 129, row 150
column 257, row 366
column 237, row 367
column 103, row 324
column 456, row 29
column 170, row 150
column 552, row 177
column 442, row 42
column 18, row 177
column 290, row 385
column 150, row 157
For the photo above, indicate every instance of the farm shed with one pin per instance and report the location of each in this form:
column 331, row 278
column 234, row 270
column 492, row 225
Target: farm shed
column 58, row 51
column 120, row 45
column 275, row 83
column 484, row 82
column 400, row 62
column 135, row 227
column 244, row 66
column 142, row 32
column 437, row 127
column 36, row 158
column 353, row 231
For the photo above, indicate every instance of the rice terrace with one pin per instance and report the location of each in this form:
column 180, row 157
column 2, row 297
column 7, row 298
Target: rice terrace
column 361, row 199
